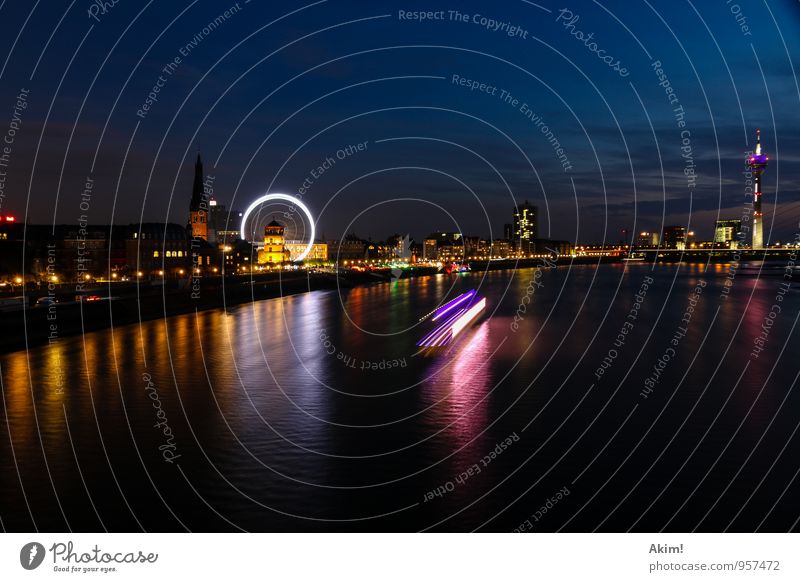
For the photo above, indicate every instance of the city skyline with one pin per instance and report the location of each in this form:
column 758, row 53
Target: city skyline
column 474, row 102
column 213, row 222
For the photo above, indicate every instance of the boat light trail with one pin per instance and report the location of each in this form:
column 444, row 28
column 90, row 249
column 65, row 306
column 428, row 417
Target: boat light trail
column 461, row 314
column 450, row 305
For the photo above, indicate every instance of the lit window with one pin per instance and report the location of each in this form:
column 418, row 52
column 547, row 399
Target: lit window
column 155, row 254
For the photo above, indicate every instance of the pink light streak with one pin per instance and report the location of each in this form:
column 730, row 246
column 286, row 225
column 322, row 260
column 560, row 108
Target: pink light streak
column 450, row 328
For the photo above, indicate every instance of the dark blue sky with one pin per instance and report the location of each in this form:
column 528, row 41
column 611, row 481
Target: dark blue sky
column 276, row 88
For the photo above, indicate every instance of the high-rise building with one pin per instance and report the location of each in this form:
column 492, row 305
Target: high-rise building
column 223, row 224
column 674, row 237
column 758, row 163
column 727, row 232
column 647, row 238
column 430, row 249
column 198, row 207
column 526, row 226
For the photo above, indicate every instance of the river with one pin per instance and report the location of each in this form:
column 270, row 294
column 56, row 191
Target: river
column 614, row 397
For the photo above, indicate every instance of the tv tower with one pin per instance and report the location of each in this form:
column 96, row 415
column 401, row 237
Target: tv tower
column 758, row 163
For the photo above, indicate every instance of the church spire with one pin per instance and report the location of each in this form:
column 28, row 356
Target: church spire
column 197, row 187
column 198, row 207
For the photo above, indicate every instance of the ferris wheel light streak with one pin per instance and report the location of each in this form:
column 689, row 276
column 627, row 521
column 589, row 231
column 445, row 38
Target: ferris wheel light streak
column 293, row 201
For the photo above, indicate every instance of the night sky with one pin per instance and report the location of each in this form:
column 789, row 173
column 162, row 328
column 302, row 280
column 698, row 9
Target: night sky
column 277, row 87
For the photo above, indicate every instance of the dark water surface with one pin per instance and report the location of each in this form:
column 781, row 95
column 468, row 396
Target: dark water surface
column 275, row 425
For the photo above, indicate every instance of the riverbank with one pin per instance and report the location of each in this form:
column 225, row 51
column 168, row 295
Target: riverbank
column 46, row 323
column 132, row 303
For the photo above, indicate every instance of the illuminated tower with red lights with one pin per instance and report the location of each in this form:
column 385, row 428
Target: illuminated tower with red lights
column 758, row 163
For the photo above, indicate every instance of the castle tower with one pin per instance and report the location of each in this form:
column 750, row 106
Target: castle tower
column 274, row 251
column 198, row 208
column 758, row 163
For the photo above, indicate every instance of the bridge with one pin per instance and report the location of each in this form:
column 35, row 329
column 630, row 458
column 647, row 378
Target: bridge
column 770, row 254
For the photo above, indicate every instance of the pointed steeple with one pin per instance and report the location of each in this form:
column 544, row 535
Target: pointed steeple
column 197, row 186
column 758, row 142
column 198, row 207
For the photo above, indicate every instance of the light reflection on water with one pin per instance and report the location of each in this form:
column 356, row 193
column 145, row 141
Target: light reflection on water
column 259, row 407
